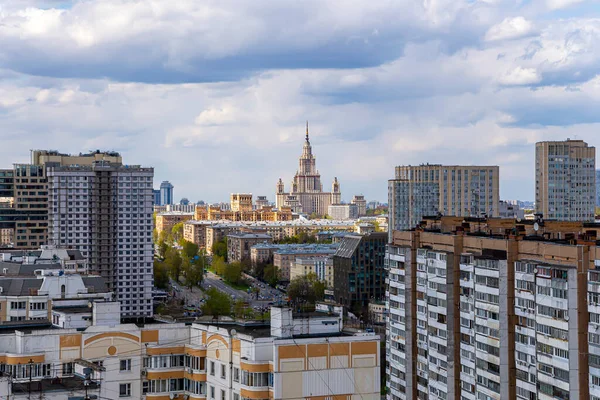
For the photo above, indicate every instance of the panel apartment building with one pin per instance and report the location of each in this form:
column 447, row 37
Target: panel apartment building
column 105, row 210
column 507, row 313
column 24, row 194
column 565, row 180
column 424, row 190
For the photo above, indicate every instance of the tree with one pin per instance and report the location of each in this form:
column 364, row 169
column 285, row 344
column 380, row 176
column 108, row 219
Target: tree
column 218, row 265
column 190, row 249
column 161, row 275
column 241, row 309
column 163, row 247
column 271, row 275
column 217, row 304
column 233, row 273
column 306, row 289
column 220, row 248
column 177, row 232
column 173, row 261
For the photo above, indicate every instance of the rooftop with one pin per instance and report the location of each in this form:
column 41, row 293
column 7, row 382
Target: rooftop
column 243, row 235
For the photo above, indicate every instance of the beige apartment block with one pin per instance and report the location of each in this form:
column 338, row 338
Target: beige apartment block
column 241, row 202
column 565, row 180
column 166, row 221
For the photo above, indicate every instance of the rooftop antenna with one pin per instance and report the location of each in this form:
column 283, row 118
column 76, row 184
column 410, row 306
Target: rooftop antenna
column 307, row 130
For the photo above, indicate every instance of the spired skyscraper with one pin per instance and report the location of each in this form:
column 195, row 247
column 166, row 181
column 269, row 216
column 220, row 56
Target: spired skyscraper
column 306, row 194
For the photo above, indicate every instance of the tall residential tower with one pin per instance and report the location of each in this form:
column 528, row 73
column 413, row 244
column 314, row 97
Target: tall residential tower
column 166, row 193
column 105, row 210
column 565, row 181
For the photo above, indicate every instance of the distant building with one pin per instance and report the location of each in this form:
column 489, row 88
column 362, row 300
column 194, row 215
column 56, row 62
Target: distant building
column 565, row 179
column 241, row 202
column 156, row 197
column 359, row 270
column 7, row 236
column 377, row 312
column 184, row 201
column 321, row 266
column 166, row 221
column 373, row 205
column 266, row 213
column 508, row 210
column 306, row 193
column 284, row 258
column 262, row 201
column 598, row 188
column 166, row 193
column 361, row 203
column 239, row 245
column 343, row 211
column 452, row 190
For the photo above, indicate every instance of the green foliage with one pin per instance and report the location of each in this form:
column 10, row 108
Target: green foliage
column 220, row 249
column 218, row 265
column 217, row 304
column 161, row 275
column 271, row 275
column 242, row 310
column 174, row 263
column 177, row 232
column 190, row 249
column 163, row 247
column 306, row 289
column 233, row 273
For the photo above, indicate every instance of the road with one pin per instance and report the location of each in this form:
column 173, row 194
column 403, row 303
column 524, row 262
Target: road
column 212, row 280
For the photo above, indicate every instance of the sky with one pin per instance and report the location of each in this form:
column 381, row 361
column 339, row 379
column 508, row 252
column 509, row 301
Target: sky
column 215, row 95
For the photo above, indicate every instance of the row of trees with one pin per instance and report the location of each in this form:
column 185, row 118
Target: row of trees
column 219, row 304
column 188, row 263
column 302, row 237
column 232, row 272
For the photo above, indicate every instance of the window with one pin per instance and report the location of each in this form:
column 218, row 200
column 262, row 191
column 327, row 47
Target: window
column 223, row 371
column 125, row 365
column 125, row 390
column 222, row 394
column 67, row 368
column 212, row 368
column 236, row 374
column 212, row 392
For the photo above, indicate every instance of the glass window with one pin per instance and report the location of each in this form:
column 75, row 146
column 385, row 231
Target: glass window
column 125, row 390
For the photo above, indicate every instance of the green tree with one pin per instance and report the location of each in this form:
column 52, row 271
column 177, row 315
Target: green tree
column 163, row 247
column 220, row 248
column 218, row 265
column 233, row 273
column 177, row 232
column 161, row 275
column 271, row 275
column 190, row 249
column 217, row 304
column 241, row 310
column 173, row 261
column 193, row 272
column 306, row 289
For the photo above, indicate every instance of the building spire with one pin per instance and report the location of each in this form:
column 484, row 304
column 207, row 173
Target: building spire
column 307, row 130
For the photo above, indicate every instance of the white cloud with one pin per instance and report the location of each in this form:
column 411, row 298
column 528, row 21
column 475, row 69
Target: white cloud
column 509, row 28
column 520, row 76
column 558, row 4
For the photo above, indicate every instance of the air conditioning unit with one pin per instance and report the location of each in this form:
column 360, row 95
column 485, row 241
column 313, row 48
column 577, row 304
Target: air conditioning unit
column 189, row 370
column 144, row 372
column 535, row 270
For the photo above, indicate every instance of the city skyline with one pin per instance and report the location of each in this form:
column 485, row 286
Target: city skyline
column 387, row 82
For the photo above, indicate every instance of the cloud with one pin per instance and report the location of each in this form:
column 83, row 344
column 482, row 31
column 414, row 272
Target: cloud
column 558, row 4
column 510, row 28
column 174, row 86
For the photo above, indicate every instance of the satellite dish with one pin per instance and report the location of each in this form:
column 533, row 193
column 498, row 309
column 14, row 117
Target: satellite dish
column 233, row 332
column 536, row 227
column 518, row 219
column 172, row 396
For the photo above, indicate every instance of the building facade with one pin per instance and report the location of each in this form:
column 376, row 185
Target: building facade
column 166, row 193
column 418, row 191
column 293, row 357
column 321, row 266
column 24, row 191
column 241, row 202
column 359, row 271
column 105, row 211
column 167, row 220
column 239, row 245
column 156, row 197
column 565, row 180
column 495, row 316
column 510, row 210
column 361, row 203
column 343, row 211
column 306, row 193
column 261, row 201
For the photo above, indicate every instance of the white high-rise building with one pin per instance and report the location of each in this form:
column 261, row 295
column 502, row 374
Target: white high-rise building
column 105, row 211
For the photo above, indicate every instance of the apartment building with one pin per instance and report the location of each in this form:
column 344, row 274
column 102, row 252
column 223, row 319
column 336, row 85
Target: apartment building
column 452, row 190
column 105, row 211
column 264, row 252
column 167, row 220
column 26, row 188
column 261, row 201
column 565, row 180
column 321, row 266
column 241, row 202
column 239, row 245
column 343, row 211
column 361, row 203
column 509, row 312
column 358, row 267
column 265, row 213
column 7, row 236
column 292, row 357
column 285, row 257
column 166, row 193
